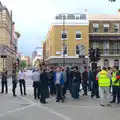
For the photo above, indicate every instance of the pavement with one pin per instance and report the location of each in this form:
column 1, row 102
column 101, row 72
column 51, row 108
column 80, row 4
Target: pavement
column 26, row 108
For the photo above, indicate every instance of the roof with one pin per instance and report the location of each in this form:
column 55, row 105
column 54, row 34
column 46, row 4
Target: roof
column 104, row 17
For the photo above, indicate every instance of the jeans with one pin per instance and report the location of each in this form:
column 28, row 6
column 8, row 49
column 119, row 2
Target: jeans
column 59, row 92
column 22, row 83
column 14, row 87
column 4, row 83
column 116, row 94
column 75, row 90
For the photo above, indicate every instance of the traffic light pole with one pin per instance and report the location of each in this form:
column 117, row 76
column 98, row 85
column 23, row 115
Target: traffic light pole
column 63, row 40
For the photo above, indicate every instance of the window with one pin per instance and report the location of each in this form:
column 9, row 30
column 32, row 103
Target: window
column 106, row 27
column 116, row 63
column 64, row 34
column 116, row 28
column 106, row 63
column 65, row 50
column 95, row 27
column 95, row 45
column 80, row 50
column 78, row 34
column 106, row 47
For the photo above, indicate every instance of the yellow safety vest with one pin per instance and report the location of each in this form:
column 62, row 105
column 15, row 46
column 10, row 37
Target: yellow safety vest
column 114, row 79
column 103, row 79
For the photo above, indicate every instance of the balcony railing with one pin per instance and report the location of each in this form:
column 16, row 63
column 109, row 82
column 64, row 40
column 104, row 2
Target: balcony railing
column 110, row 51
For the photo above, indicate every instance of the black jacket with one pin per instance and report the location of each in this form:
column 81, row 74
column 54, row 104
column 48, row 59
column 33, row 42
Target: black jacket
column 85, row 76
column 4, row 76
column 44, row 79
column 77, row 77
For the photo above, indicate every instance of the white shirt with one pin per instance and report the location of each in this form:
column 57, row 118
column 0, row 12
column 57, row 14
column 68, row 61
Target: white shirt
column 58, row 76
column 21, row 75
column 36, row 76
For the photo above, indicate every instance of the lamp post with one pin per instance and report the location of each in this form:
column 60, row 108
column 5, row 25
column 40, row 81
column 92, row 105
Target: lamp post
column 64, row 40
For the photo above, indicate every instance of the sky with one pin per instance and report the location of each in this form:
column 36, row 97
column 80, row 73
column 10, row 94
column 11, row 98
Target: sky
column 33, row 17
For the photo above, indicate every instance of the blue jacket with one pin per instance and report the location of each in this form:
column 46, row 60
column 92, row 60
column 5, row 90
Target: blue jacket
column 61, row 78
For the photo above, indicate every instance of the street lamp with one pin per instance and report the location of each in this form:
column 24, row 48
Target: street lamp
column 64, row 39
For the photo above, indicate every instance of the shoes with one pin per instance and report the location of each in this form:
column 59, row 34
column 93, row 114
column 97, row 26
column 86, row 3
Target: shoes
column 15, row 95
column 112, row 101
column 1, row 92
column 98, row 97
column 57, row 100
column 108, row 104
column 84, row 94
column 25, row 93
column 45, row 102
column 102, row 105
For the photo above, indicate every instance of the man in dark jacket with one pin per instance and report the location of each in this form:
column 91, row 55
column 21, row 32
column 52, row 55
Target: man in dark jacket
column 85, row 81
column 14, row 82
column 4, row 81
column 76, row 83
column 70, row 77
column 95, row 86
column 51, row 82
column 44, row 86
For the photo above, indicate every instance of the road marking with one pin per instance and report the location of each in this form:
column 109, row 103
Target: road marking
column 48, row 109
column 16, row 110
column 54, row 112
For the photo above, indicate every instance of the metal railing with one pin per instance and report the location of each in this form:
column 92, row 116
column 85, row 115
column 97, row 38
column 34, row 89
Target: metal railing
column 110, row 51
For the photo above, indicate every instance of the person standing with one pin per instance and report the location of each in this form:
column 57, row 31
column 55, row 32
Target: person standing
column 59, row 82
column 65, row 84
column 21, row 78
column 70, row 77
column 85, row 81
column 36, row 83
column 76, row 84
column 95, row 86
column 90, row 78
column 4, row 81
column 51, row 82
column 104, row 83
column 44, row 86
column 14, row 82
column 116, row 85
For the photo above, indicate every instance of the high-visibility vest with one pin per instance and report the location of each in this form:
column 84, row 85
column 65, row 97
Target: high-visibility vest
column 103, row 79
column 114, row 79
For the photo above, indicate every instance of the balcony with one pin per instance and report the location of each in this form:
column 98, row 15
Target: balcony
column 110, row 52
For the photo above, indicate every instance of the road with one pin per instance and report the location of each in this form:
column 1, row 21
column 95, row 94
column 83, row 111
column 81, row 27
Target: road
column 26, row 108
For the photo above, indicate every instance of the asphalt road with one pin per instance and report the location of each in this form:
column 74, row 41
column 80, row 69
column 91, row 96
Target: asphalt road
column 26, row 108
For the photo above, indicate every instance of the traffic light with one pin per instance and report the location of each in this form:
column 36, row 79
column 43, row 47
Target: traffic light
column 91, row 54
column 97, row 54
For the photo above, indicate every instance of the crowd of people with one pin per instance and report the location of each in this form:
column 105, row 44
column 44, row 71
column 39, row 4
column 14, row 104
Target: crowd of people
column 57, row 81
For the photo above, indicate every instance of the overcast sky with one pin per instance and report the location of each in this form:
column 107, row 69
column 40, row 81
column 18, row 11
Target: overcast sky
column 33, row 17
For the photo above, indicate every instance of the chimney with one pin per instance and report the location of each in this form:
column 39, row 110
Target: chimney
column 119, row 11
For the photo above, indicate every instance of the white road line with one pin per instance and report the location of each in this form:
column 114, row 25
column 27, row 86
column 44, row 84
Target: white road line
column 53, row 112
column 15, row 110
column 30, row 101
column 48, row 109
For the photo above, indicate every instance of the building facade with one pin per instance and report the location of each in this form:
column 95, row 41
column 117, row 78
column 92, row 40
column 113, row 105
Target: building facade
column 104, row 33
column 67, row 40
column 6, row 39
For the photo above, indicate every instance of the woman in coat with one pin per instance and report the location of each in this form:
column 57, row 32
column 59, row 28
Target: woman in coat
column 44, row 86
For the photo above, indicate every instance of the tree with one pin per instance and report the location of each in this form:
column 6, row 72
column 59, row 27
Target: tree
column 23, row 64
column 18, row 34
